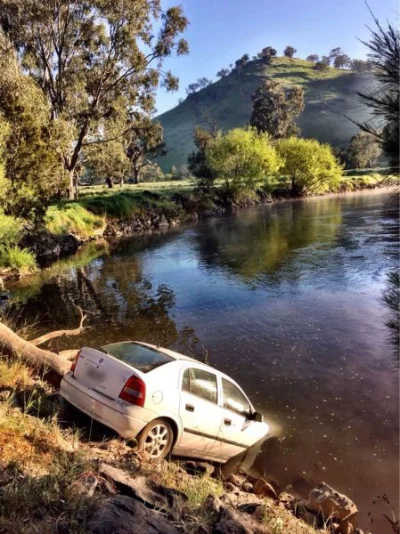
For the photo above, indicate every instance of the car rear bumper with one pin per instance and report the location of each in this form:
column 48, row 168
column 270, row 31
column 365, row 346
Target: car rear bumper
column 103, row 409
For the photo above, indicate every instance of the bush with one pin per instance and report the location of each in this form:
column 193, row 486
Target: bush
column 18, row 258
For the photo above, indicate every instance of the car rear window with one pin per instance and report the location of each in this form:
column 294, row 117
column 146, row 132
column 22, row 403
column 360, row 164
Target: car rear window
column 143, row 358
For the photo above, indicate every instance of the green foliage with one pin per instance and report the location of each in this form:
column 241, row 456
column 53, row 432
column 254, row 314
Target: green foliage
column 11, row 255
column 94, row 56
column 384, row 55
column 364, row 151
column 310, row 166
column 32, row 147
column 197, row 161
column 242, row 158
column 289, row 51
column 275, row 109
column 73, row 218
column 17, row 258
column 328, row 96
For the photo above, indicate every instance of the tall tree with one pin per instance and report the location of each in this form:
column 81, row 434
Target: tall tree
column 364, row 150
column 267, row 54
column 341, row 61
column 197, row 160
column 313, row 58
column 223, row 73
column 289, row 51
column 34, row 146
column 361, row 66
column 384, row 54
column 334, row 53
column 85, row 54
column 276, row 109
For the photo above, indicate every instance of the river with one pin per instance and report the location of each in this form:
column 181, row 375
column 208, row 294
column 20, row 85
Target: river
column 288, row 299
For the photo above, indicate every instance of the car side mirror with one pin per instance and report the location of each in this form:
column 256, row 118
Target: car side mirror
column 256, row 416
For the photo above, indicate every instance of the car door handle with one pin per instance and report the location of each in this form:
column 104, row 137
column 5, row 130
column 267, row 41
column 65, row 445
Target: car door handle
column 189, row 407
column 227, row 422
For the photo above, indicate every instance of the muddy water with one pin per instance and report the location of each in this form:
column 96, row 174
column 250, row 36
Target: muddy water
column 287, row 299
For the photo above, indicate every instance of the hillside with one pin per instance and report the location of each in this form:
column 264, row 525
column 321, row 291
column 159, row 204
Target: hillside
column 329, row 96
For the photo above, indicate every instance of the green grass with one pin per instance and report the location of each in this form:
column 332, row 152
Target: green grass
column 17, row 258
column 330, row 97
column 73, row 218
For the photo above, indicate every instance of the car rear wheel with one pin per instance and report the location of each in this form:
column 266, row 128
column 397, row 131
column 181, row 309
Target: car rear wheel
column 156, row 440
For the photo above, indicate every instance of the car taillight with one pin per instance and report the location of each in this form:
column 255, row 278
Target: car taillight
column 73, row 365
column 134, row 391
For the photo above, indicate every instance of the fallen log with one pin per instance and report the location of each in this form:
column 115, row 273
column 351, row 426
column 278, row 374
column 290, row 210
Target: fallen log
column 13, row 344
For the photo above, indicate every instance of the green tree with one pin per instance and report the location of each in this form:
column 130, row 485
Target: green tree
column 334, row 53
column 313, row 58
column 276, row 109
column 361, row 66
column 310, row 166
column 242, row 157
column 34, row 146
column 267, row 54
column 86, row 54
column 321, row 66
column 384, row 55
column 197, row 162
column 289, row 51
column 364, row 150
column 341, row 61
column 223, row 73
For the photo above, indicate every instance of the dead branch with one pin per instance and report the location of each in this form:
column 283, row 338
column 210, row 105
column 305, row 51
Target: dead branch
column 58, row 333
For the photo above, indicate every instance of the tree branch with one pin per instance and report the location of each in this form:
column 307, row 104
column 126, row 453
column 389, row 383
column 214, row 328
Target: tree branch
column 58, row 333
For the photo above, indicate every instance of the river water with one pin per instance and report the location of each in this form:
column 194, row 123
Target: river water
column 287, row 299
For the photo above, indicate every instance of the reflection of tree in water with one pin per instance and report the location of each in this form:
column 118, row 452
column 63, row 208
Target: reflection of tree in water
column 391, row 298
column 120, row 302
column 266, row 241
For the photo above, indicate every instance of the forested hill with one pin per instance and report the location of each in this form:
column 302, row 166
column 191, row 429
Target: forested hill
column 330, row 97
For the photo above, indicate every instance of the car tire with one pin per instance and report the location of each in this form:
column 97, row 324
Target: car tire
column 156, row 440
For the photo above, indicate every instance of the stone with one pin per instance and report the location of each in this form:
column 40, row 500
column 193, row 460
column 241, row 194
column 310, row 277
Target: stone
column 198, row 468
column 262, row 487
column 236, row 480
column 248, row 487
column 232, row 522
column 124, row 515
column 5, row 395
column 212, row 504
column 145, row 490
column 309, row 517
column 230, row 487
column 85, row 485
column 255, row 509
column 329, row 503
column 345, row 527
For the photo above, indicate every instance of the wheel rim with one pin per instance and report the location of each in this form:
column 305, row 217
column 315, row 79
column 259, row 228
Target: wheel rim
column 156, row 441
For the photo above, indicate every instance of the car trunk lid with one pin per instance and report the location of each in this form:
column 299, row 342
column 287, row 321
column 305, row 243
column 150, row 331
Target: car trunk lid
column 102, row 372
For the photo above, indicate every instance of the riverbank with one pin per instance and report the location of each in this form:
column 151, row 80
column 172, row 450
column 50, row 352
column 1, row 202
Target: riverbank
column 60, row 473
column 111, row 214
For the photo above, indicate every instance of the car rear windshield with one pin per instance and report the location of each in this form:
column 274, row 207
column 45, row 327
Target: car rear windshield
column 143, row 358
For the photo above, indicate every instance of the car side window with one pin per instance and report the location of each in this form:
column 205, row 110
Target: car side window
column 200, row 383
column 233, row 398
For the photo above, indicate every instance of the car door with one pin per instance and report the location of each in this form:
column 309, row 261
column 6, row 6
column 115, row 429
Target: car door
column 238, row 432
column 199, row 411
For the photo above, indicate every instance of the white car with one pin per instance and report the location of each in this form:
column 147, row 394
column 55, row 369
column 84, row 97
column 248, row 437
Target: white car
column 166, row 400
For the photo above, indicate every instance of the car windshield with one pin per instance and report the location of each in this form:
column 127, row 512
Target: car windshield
column 143, row 358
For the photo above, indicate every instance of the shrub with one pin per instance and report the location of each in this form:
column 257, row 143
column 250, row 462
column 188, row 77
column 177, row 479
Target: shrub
column 18, row 258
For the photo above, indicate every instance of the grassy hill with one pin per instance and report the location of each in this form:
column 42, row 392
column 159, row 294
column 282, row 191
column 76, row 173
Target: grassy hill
column 329, row 96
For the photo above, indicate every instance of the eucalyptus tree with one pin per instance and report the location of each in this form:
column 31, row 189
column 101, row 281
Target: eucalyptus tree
column 87, row 54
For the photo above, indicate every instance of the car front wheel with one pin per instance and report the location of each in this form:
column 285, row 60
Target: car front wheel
column 156, row 440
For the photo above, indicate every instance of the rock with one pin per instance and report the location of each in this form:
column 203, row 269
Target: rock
column 85, row 485
column 345, row 527
column 212, row 504
column 163, row 222
column 145, row 490
column 311, row 518
column 262, row 487
column 329, row 503
column 248, row 487
column 198, row 468
column 255, row 509
column 230, row 487
column 236, row 480
column 124, row 515
column 5, row 395
column 232, row 522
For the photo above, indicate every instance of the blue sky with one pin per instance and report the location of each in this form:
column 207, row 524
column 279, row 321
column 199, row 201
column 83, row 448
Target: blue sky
column 221, row 31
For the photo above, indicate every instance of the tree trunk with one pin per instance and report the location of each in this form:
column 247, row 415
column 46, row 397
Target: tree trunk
column 135, row 176
column 71, row 186
column 15, row 345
